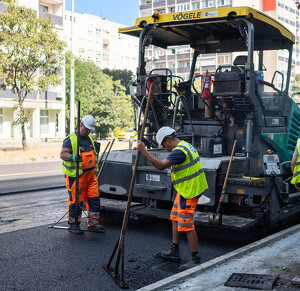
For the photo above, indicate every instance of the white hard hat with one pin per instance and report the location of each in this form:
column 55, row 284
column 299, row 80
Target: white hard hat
column 89, row 122
column 162, row 133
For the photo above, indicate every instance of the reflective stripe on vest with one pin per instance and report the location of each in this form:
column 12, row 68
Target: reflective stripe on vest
column 188, row 178
column 296, row 175
column 69, row 168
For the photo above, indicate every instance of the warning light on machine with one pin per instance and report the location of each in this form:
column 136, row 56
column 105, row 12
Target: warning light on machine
column 155, row 15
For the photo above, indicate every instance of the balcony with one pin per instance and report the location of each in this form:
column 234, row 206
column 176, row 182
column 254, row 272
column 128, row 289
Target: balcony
column 171, row 2
column 183, row 56
column 58, row 20
column 9, row 94
column 159, row 4
column 171, row 57
column 182, row 70
column 183, row 1
column 145, row 6
column 51, row 96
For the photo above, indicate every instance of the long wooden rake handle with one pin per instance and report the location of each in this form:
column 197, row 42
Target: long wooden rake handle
column 226, row 177
column 77, row 165
column 127, row 211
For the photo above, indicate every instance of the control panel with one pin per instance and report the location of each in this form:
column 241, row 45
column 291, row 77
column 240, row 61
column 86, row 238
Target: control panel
column 271, row 164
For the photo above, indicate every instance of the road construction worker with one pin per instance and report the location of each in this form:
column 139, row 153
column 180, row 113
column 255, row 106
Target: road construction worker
column 189, row 181
column 88, row 184
column 295, row 166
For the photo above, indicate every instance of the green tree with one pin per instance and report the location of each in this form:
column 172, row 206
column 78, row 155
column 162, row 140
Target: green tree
column 125, row 76
column 100, row 96
column 31, row 56
column 295, row 85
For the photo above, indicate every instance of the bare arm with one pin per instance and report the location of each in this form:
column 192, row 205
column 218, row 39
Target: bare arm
column 159, row 165
column 65, row 154
column 293, row 163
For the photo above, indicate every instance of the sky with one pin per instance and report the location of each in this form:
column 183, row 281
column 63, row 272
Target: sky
column 120, row 11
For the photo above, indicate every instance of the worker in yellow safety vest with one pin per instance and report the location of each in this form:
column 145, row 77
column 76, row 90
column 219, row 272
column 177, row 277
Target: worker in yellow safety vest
column 189, row 181
column 88, row 183
column 295, row 166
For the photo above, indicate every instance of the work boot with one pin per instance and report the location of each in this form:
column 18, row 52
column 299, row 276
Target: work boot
column 193, row 262
column 172, row 254
column 97, row 227
column 73, row 228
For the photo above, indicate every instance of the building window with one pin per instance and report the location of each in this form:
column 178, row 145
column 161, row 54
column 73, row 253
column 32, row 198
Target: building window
column 224, row 59
column 208, row 3
column 183, row 7
column 43, row 9
column 196, row 6
column 1, row 121
column 44, row 122
column 224, row 2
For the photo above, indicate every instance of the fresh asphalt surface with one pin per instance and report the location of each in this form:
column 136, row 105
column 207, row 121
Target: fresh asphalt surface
column 39, row 258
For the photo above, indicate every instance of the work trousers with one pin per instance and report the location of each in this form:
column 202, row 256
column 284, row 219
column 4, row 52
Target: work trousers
column 183, row 211
column 88, row 191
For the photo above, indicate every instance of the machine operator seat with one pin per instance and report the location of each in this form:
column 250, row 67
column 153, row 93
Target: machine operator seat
column 239, row 61
column 230, row 84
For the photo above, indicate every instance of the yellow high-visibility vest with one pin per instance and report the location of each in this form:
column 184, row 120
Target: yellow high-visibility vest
column 188, row 178
column 296, row 174
column 69, row 168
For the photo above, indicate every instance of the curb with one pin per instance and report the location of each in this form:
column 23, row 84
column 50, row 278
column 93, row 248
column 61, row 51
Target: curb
column 177, row 278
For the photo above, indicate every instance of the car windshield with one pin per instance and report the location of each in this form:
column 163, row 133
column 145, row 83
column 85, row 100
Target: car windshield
column 129, row 130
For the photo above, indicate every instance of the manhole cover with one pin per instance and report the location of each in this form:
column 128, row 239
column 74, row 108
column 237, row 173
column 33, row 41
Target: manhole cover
column 254, row 281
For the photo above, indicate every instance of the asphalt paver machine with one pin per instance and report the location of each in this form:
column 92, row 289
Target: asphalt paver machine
column 212, row 109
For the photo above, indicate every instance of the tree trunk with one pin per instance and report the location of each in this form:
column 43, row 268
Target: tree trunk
column 24, row 143
column 22, row 119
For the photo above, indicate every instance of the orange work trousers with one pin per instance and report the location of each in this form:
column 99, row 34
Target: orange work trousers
column 88, row 191
column 183, row 211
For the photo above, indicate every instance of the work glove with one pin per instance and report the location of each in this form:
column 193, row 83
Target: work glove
column 75, row 158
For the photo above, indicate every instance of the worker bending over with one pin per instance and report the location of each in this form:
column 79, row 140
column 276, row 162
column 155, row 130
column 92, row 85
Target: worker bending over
column 189, row 181
column 88, row 184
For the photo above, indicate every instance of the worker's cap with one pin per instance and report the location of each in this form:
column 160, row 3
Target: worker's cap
column 89, row 122
column 164, row 132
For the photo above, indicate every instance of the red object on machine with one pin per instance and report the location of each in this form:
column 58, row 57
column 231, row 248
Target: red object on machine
column 206, row 86
column 149, row 82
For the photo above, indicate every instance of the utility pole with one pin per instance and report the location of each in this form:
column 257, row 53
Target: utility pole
column 72, row 81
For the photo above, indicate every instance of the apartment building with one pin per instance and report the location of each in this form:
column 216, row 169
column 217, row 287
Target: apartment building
column 97, row 39
column 46, row 110
column 179, row 59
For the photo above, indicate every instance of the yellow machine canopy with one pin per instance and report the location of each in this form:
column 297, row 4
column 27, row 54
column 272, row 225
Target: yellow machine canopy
column 216, row 30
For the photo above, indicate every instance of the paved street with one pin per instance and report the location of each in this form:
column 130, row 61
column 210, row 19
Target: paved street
column 39, row 258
